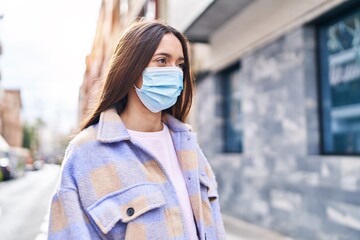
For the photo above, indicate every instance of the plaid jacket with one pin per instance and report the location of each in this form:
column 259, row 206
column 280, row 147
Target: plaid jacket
column 112, row 188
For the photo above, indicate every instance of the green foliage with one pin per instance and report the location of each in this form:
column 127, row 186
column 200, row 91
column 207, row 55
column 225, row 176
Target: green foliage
column 31, row 134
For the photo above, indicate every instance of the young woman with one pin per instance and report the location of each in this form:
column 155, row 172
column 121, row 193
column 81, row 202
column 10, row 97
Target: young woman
column 135, row 170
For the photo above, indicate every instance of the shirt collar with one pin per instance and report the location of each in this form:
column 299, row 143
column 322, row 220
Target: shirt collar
column 112, row 129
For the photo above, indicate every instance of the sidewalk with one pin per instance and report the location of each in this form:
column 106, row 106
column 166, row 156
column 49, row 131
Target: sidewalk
column 237, row 229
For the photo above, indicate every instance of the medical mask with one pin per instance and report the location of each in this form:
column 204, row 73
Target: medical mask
column 160, row 88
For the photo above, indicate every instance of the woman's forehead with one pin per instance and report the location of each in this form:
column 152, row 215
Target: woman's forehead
column 170, row 45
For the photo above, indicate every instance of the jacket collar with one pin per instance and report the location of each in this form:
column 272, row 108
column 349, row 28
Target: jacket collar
column 111, row 128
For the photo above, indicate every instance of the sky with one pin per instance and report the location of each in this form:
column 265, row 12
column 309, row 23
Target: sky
column 45, row 43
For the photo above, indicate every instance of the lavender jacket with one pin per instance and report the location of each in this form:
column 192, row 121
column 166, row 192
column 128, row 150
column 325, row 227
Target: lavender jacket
column 112, row 188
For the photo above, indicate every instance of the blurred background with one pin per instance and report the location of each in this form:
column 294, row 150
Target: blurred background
column 277, row 105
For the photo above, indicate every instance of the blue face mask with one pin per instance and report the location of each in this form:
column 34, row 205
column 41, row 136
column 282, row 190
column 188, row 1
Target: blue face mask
column 160, row 88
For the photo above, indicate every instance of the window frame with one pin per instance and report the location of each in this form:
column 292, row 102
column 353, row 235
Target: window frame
column 226, row 108
column 324, row 90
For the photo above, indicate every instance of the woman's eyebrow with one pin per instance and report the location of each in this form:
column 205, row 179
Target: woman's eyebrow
column 167, row 55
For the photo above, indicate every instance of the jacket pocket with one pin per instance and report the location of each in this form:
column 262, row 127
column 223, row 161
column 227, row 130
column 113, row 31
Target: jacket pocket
column 125, row 205
column 210, row 186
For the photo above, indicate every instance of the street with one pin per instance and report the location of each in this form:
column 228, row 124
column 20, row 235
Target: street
column 24, row 204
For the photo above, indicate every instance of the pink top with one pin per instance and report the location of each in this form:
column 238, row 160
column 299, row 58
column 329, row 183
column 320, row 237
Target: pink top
column 161, row 146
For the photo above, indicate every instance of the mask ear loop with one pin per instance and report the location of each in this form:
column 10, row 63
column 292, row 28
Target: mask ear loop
column 139, row 89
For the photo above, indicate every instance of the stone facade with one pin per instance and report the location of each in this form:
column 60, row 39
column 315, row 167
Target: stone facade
column 280, row 181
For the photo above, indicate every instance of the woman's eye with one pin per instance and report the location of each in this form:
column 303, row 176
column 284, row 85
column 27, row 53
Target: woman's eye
column 162, row 60
column 181, row 66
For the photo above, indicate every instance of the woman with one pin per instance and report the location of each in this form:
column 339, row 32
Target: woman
column 135, row 170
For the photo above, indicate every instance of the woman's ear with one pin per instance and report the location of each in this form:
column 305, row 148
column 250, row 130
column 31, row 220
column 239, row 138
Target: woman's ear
column 139, row 83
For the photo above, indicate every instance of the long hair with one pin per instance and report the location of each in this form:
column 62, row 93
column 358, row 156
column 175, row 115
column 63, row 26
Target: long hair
column 131, row 56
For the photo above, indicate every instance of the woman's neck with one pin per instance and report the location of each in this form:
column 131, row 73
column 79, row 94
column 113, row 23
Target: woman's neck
column 141, row 120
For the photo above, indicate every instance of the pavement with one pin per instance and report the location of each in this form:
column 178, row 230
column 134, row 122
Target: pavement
column 24, row 202
column 237, row 229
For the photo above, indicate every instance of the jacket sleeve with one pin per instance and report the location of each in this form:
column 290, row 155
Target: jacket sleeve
column 215, row 205
column 67, row 217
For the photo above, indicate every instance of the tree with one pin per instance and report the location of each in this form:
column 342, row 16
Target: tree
column 31, row 135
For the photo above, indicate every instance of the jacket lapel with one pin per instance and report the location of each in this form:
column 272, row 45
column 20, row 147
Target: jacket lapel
column 190, row 167
column 185, row 143
column 111, row 128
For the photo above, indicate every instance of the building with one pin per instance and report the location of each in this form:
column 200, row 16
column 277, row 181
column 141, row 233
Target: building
column 277, row 109
column 10, row 116
column 11, row 129
column 1, row 108
column 1, row 95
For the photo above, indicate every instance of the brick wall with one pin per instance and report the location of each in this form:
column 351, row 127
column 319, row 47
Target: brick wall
column 11, row 128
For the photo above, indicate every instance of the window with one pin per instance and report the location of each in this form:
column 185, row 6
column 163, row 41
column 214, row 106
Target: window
column 232, row 109
column 339, row 45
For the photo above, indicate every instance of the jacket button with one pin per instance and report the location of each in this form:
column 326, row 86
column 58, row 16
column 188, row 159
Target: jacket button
column 130, row 211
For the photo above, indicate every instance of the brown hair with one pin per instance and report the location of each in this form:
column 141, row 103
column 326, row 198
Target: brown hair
column 132, row 55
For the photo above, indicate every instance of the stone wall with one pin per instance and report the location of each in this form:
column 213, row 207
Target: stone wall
column 281, row 181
